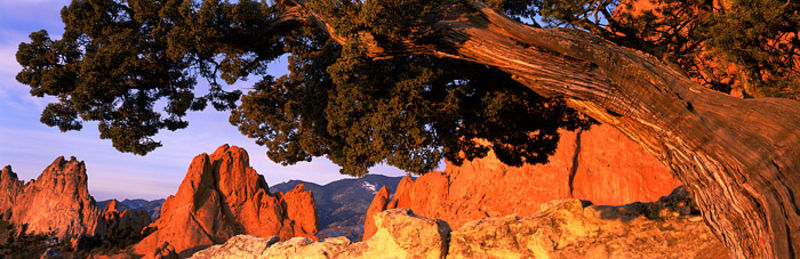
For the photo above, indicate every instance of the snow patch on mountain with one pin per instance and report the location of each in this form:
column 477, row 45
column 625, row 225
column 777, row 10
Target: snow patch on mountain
column 370, row 187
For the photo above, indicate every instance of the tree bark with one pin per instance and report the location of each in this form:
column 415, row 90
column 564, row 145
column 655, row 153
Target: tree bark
column 740, row 158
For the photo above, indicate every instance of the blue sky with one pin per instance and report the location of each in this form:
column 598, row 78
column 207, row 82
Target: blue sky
column 29, row 146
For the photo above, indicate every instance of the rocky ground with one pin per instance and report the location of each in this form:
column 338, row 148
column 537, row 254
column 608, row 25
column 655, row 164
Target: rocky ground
column 668, row 228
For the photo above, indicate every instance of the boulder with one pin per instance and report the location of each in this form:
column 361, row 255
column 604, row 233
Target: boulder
column 241, row 246
column 221, row 197
column 668, row 228
column 599, row 164
column 401, row 234
column 565, row 229
column 301, row 212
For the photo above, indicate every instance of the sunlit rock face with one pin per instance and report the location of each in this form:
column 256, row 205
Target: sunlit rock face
column 221, row 197
column 668, row 228
column 599, row 164
column 379, row 204
column 10, row 187
column 58, row 201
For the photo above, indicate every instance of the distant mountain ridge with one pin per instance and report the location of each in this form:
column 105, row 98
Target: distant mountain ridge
column 342, row 204
column 151, row 207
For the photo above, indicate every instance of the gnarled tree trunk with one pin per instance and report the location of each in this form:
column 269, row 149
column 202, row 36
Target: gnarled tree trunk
column 740, row 158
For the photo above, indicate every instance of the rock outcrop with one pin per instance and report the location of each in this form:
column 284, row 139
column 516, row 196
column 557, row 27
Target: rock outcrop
column 58, row 201
column 126, row 222
column 668, row 228
column 221, row 197
column 10, row 187
column 379, row 204
column 599, row 164
column 151, row 207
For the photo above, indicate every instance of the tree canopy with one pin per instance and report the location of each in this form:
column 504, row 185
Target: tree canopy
column 118, row 62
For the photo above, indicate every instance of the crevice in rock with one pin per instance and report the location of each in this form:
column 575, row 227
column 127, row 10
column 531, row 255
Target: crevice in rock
column 575, row 163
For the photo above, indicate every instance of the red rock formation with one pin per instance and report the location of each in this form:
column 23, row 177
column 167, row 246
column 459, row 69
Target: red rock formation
column 599, row 164
column 58, row 201
column 378, row 204
column 222, row 196
column 301, row 210
column 10, row 186
column 127, row 221
column 613, row 170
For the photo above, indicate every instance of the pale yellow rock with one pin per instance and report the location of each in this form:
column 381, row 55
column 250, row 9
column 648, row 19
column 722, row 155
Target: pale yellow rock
column 565, row 229
column 241, row 246
column 562, row 229
column 427, row 239
column 401, row 234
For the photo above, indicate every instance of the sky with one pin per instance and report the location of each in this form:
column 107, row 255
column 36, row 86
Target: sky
column 30, row 146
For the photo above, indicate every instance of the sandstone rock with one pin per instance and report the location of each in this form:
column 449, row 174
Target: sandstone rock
column 599, row 164
column 153, row 208
column 342, row 204
column 128, row 221
column 401, row 234
column 221, row 197
column 245, row 246
column 241, row 246
column 565, row 228
column 301, row 212
column 10, row 187
column 378, row 204
column 58, row 201
column 301, row 247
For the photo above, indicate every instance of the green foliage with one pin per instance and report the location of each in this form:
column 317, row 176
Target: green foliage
column 728, row 44
column 132, row 66
column 408, row 112
column 761, row 38
column 119, row 61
